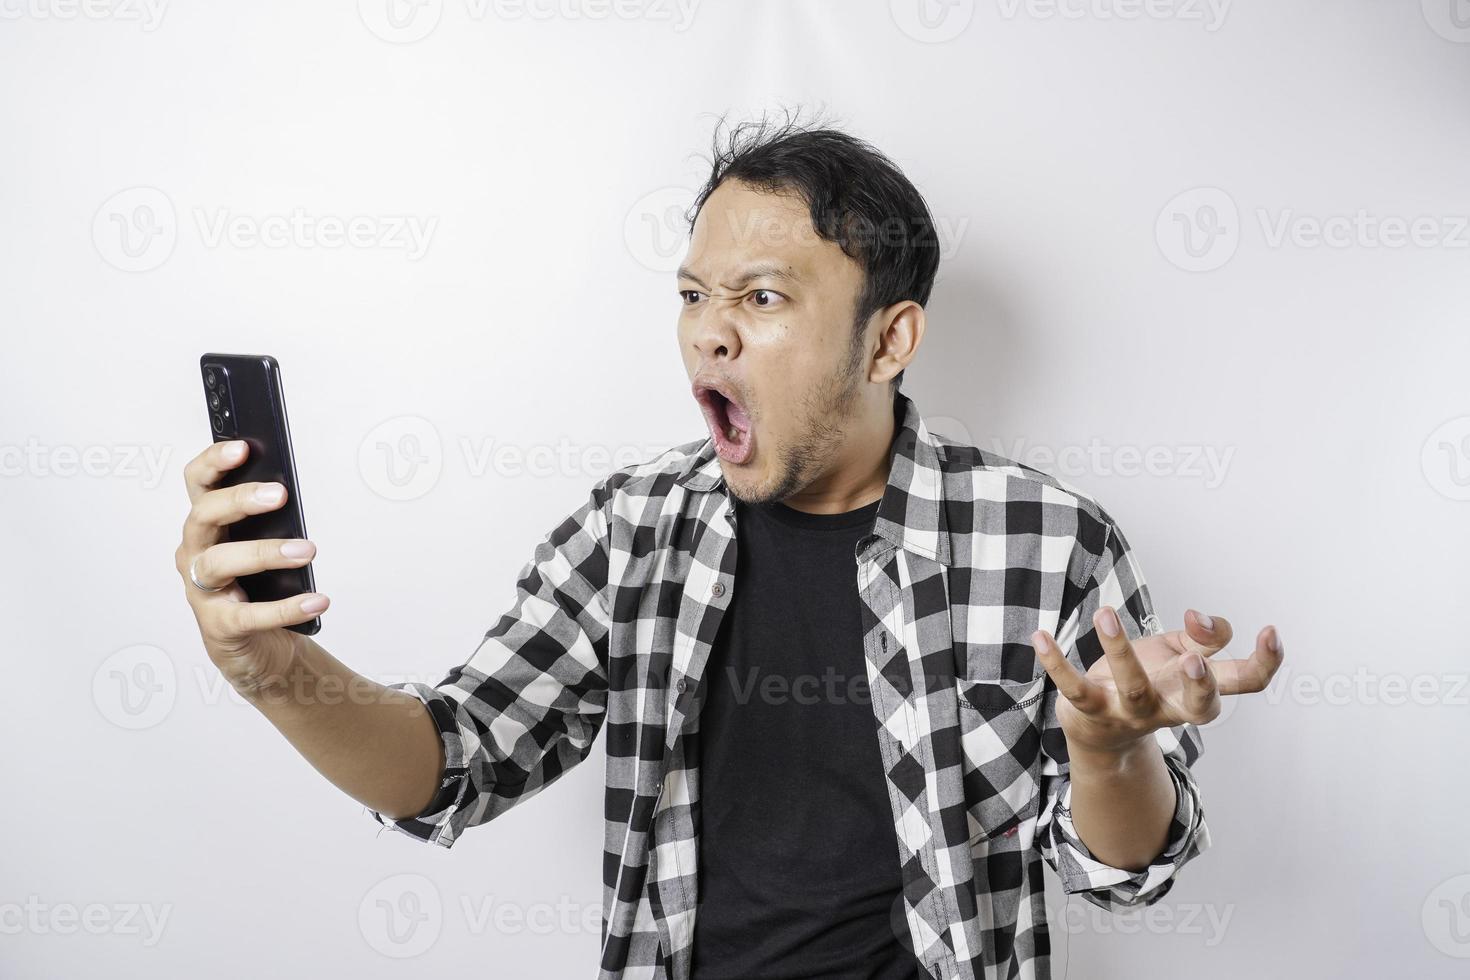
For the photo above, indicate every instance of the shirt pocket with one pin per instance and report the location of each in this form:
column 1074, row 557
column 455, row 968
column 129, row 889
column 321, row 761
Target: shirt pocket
column 1000, row 747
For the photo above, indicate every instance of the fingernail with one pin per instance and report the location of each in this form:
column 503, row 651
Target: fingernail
column 1038, row 640
column 1109, row 623
column 1275, row 642
column 1204, row 620
column 1194, row 666
column 314, row 603
column 270, row 493
column 234, row 450
column 297, row 549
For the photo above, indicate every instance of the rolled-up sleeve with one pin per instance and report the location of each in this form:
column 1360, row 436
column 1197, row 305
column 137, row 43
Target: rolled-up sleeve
column 1109, row 575
column 528, row 703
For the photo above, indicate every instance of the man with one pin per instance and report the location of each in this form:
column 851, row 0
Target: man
column 857, row 682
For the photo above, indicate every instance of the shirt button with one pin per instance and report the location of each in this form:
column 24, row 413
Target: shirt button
column 682, row 685
column 718, row 589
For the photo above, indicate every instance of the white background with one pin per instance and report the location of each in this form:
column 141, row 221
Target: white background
column 1068, row 150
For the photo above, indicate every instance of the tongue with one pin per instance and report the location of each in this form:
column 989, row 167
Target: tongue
column 737, row 416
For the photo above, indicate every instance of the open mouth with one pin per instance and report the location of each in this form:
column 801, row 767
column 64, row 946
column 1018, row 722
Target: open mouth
column 728, row 422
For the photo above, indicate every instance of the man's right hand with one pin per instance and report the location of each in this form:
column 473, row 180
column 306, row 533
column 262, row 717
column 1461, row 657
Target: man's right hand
column 246, row 640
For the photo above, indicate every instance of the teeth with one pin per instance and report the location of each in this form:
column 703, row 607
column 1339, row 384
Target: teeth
column 732, row 433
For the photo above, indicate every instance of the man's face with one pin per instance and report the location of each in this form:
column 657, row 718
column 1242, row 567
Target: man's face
column 767, row 317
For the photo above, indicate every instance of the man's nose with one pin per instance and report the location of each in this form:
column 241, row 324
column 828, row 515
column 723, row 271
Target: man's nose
column 718, row 334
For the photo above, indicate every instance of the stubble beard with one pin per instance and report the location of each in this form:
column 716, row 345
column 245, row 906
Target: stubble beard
column 825, row 409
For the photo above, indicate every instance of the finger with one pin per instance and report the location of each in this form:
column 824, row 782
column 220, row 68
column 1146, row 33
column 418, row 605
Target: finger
column 240, row 619
column 1201, row 693
column 1135, row 691
column 1070, row 682
column 220, row 564
column 1205, row 635
column 205, row 470
column 1252, row 675
column 217, row 508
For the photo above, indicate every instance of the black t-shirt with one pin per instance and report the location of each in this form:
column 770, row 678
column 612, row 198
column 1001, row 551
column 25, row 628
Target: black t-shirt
column 798, row 866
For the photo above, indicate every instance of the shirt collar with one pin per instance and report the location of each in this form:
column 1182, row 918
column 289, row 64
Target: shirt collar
column 911, row 514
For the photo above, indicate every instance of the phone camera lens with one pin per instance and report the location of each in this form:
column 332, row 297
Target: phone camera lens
column 214, row 401
column 219, row 423
column 209, row 378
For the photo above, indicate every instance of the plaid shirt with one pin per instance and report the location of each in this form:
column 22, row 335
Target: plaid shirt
column 970, row 553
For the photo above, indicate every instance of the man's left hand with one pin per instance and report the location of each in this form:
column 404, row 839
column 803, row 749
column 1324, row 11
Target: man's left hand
column 1140, row 686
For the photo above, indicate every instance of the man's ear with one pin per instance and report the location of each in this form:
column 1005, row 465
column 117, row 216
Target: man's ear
column 899, row 332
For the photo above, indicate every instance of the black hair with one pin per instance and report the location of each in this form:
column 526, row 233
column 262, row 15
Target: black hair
column 857, row 196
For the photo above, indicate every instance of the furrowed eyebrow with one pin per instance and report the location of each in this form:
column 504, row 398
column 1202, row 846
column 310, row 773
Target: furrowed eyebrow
column 764, row 271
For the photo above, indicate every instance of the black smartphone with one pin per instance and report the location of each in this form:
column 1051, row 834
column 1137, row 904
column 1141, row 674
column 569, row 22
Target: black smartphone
column 247, row 401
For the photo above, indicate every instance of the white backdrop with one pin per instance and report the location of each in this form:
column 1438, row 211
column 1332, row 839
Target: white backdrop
column 1207, row 261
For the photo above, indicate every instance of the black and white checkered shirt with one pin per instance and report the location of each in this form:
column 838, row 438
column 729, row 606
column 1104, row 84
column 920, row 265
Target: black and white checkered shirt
column 970, row 554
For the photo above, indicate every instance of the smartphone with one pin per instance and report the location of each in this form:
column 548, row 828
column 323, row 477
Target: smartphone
column 246, row 401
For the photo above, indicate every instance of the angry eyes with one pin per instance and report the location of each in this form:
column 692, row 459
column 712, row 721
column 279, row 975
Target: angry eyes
column 763, row 299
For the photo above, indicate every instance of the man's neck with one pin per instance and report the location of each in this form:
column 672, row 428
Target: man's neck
column 859, row 472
